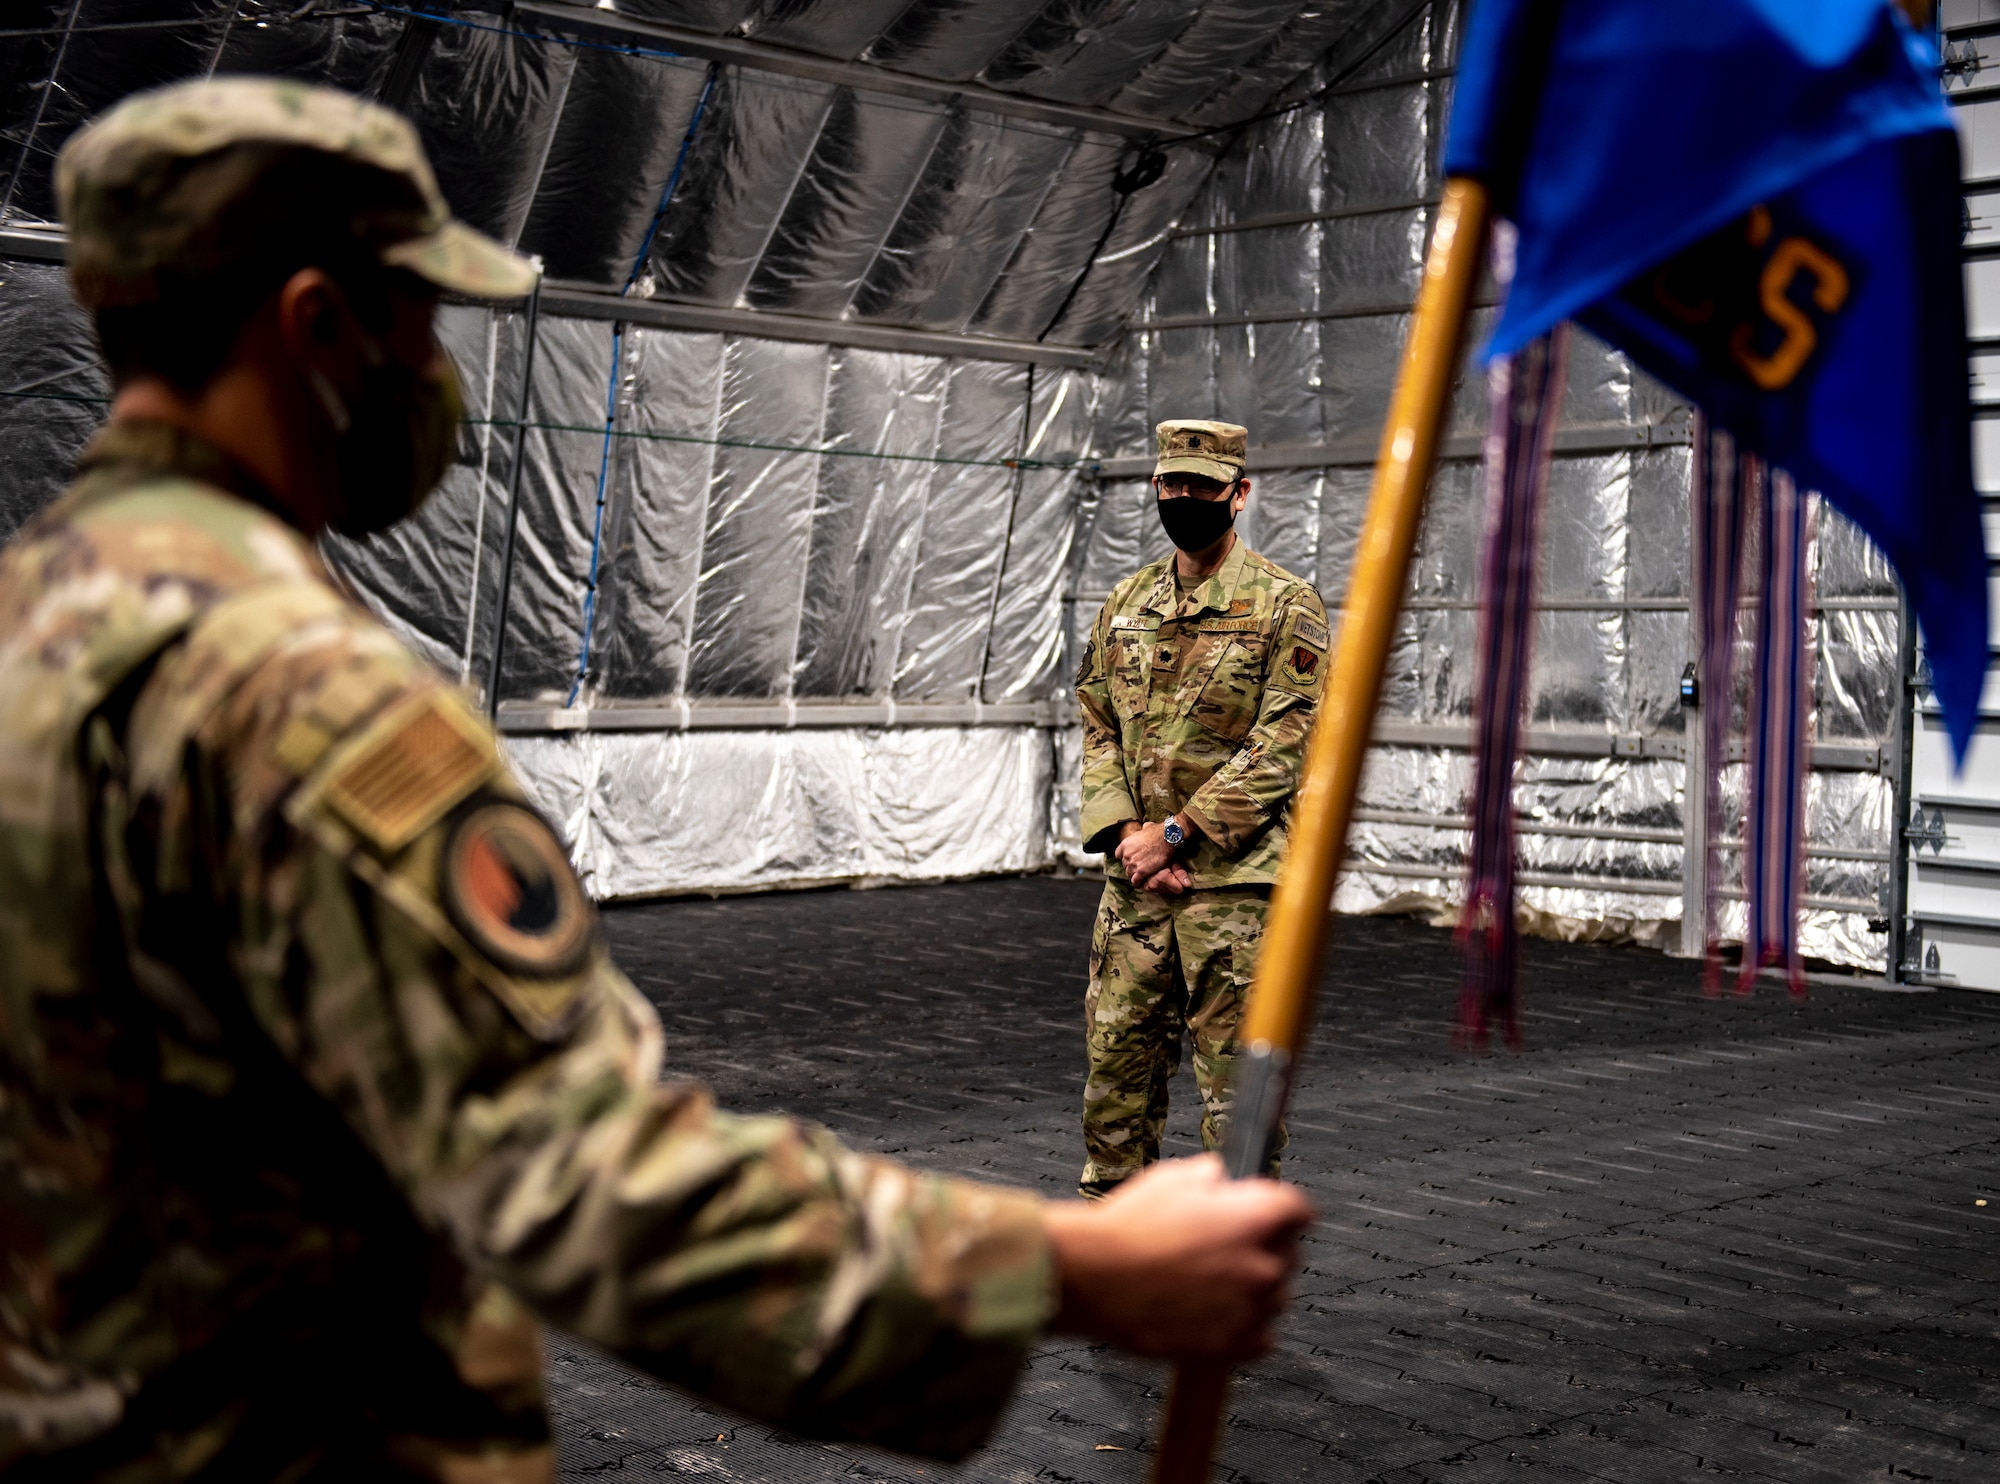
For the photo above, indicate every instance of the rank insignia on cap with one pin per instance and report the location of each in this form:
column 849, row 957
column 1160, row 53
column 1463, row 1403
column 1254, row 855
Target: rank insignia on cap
column 508, row 887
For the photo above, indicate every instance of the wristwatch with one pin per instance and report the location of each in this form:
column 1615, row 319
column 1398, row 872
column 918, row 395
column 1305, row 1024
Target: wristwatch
column 1176, row 836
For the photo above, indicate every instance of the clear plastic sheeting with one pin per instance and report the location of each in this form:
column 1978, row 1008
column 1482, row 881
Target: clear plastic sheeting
column 800, row 196
column 652, row 813
column 868, row 523
column 1025, row 648
column 592, row 205
column 1281, row 302
column 758, row 530
column 783, row 523
column 753, row 144
column 435, row 561
column 724, row 539
column 941, row 651
column 982, row 186
column 53, row 388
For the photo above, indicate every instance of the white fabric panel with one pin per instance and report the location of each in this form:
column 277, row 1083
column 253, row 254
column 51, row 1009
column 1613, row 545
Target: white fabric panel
column 653, row 813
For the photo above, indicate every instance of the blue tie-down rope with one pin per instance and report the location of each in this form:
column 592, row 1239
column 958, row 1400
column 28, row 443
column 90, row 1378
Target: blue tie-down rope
column 611, row 392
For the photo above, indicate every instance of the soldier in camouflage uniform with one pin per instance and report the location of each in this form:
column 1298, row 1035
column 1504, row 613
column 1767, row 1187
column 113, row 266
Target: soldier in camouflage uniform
column 1198, row 686
column 316, row 1084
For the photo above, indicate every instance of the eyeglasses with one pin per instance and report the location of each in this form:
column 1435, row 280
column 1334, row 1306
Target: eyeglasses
column 1182, row 486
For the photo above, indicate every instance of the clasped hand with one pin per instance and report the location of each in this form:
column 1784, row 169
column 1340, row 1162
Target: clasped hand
column 1149, row 860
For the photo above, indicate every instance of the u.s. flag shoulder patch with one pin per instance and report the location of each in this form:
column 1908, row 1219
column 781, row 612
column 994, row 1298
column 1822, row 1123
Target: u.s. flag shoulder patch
column 408, row 770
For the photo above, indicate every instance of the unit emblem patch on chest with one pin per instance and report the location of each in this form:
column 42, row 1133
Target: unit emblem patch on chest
column 509, row 889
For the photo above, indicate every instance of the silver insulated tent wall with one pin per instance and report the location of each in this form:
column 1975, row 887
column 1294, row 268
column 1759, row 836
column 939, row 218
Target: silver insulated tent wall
column 856, row 321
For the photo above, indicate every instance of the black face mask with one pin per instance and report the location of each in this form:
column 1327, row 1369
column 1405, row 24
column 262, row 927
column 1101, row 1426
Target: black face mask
column 396, row 440
column 1194, row 524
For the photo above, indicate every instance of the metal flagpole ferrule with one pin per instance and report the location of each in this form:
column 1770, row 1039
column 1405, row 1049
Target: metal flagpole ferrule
column 1280, row 1005
column 1255, row 1109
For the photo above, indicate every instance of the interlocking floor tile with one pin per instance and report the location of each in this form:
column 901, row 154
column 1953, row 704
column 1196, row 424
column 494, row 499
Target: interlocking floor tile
column 1674, row 1237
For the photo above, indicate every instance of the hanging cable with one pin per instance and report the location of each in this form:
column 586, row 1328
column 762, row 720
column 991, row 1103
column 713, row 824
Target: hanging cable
column 611, row 392
column 622, row 49
column 1138, row 168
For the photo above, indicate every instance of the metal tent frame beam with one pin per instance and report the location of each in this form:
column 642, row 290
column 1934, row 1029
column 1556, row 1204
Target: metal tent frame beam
column 1359, row 452
column 765, row 57
column 36, row 244
column 589, row 301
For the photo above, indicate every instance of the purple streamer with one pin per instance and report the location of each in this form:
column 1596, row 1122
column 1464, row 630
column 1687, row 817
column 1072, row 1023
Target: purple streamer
column 1729, row 487
column 1526, row 398
column 1781, row 707
column 1722, row 489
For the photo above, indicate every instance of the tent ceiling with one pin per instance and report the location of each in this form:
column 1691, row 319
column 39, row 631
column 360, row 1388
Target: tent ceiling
column 943, row 166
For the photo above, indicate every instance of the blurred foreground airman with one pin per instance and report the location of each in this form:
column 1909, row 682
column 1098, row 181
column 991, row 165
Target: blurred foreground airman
column 1198, row 686
column 315, row 1081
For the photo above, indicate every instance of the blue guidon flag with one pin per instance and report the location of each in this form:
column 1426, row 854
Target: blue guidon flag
column 1758, row 201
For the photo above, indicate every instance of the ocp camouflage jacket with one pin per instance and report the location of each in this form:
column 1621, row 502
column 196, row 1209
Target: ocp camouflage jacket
column 1202, row 706
column 316, row 1082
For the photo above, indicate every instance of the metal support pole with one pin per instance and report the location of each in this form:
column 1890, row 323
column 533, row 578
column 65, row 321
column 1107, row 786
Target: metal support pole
column 1907, row 696
column 413, row 48
column 1694, row 820
column 513, row 502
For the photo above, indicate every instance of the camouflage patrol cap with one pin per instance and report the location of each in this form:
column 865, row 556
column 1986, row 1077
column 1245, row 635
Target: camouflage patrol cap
column 1212, row 450
column 162, row 188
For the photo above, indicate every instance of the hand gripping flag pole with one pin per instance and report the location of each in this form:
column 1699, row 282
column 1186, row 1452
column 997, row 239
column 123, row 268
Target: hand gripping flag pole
column 1274, row 1025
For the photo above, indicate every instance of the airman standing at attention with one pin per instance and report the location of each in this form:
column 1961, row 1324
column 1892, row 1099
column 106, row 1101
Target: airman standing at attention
column 316, row 1082
column 1198, row 686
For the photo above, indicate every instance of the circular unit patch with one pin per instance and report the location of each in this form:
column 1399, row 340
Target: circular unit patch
column 508, row 886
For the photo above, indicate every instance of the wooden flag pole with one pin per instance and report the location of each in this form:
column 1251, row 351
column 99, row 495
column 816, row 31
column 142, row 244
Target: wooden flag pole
column 1288, row 968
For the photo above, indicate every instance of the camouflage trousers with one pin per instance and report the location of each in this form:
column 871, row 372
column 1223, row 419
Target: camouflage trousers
column 1162, row 968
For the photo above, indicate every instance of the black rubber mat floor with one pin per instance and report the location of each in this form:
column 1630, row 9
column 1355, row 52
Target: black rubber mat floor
column 1673, row 1235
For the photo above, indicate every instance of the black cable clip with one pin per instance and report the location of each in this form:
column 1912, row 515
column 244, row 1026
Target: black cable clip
column 1146, row 167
